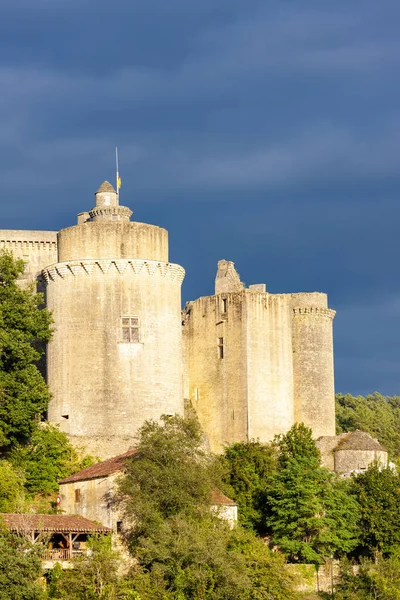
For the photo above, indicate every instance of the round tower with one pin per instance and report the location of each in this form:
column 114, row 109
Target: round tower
column 313, row 374
column 115, row 359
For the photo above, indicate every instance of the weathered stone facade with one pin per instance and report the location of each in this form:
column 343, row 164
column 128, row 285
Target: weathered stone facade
column 351, row 453
column 92, row 494
column 255, row 362
column 249, row 362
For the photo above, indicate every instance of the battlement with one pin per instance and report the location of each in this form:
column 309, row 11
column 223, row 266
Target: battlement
column 36, row 248
column 120, row 267
column 315, row 311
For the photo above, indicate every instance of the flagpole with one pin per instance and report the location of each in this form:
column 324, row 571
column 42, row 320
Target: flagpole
column 117, row 175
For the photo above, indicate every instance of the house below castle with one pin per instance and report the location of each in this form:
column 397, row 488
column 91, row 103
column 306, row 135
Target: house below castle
column 91, row 494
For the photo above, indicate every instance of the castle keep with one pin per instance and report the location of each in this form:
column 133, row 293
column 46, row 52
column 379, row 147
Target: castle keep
column 250, row 363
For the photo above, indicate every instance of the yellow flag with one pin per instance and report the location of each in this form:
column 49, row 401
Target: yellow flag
column 119, row 182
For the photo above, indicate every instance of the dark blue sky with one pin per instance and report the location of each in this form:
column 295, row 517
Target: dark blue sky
column 263, row 132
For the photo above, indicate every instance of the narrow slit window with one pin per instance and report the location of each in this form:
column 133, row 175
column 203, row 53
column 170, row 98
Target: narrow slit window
column 77, row 495
column 221, row 347
column 224, row 305
column 130, row 330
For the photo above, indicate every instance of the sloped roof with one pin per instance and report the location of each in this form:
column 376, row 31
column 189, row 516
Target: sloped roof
column 102, row 469
column 106, row 187
column 359, row 440
column 54, row 523
column 116, row 464
column 217, row 497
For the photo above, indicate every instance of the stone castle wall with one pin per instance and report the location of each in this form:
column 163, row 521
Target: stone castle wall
column 269, row 364
column 217, row 387
column 37, row 249
column 276, row 367
column 250, row 363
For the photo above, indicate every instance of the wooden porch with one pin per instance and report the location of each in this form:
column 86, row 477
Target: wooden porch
column 64, row 537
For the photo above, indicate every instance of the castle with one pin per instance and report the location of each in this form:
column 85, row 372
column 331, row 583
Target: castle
column 248, row 362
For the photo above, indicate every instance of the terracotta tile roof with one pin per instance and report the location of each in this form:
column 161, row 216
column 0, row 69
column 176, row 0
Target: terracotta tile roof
column 116, row 464
column 217, row 497
column 359, row 440
column 102, row 469
column 64, row 523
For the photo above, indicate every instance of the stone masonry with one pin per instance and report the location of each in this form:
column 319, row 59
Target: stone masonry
column 250, row 363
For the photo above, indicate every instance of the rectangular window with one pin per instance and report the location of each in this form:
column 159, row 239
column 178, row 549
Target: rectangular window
column 130, row 330
column 224, row 305
column 221, row 347
column 77, row 495
column 119, row 526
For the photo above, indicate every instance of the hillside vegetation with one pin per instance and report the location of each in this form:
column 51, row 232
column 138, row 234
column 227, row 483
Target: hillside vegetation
column 376, row 414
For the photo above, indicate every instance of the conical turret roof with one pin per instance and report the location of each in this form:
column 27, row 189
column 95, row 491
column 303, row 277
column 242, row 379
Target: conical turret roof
column 106, row 187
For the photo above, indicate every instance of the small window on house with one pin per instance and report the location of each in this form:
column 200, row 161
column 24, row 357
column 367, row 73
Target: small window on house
column 130, row 330
column 119, row 526
column 224, row 305
column 77, row 495
column 221, row 347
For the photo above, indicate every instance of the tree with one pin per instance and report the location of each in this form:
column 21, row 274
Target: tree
column 310, row 515
column 251, row 467
column 94, row 575
column 201, row 558
column 378, row 494
column 46, row 458
column 182, row 550
column 24, row 328
column 20, row 569
column 171, row 473
column 373, row 580
column 376, row 414
column 11, row 488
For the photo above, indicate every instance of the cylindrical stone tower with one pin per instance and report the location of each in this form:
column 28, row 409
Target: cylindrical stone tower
column 312, row 339
column 115, row 359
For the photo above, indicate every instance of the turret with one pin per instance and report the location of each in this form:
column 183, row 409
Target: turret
column 115, row 359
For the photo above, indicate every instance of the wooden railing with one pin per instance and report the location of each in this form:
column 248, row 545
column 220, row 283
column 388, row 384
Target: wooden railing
column 57, row 554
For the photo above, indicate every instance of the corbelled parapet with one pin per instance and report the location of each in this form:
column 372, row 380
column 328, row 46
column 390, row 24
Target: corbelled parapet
column 105, row 267
column 316, row 311
column 107, row 205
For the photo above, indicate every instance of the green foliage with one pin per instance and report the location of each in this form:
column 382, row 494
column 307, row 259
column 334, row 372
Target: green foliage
column 250, row 469
column 182, row 550
column 376, row 414
column 94, row 576
column 308, row 512
column 20, row 569
column 47, row 458
column 378, row 493
column 377, row 580
column 23, row 328
column 201, row 558
column 170, row 474
column 11, row 488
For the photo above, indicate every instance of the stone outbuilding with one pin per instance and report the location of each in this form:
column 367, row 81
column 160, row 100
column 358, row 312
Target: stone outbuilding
column 91, row 493
column 351, row 452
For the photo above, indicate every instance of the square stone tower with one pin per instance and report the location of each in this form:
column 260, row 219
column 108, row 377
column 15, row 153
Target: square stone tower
column 255, row 362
